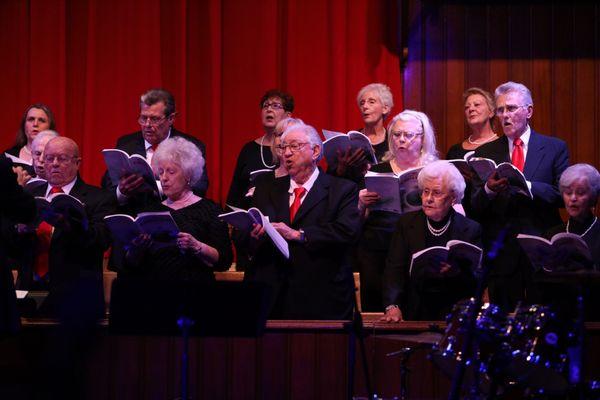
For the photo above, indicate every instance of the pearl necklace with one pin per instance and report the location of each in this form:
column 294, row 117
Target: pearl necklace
column 586, row 231
column 438, row 232
column 262, row 156
column 481, row 141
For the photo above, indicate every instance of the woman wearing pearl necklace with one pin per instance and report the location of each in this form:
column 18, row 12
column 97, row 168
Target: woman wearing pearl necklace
column 429, row 297
column 479, row 112
column 275, row 105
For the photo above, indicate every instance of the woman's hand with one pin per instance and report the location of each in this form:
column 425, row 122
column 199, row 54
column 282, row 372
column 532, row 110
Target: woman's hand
column 187, row 242
column 392, row 314
column 349, row 159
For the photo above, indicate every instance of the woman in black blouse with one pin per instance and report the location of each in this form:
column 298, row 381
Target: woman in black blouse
column 479, row 112
column 203, row 244
column 420, row 296
column 275, row 105
column 412, row 144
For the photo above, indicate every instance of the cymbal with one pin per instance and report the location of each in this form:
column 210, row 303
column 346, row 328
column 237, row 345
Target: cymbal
column 424, row 338
column 584, row 276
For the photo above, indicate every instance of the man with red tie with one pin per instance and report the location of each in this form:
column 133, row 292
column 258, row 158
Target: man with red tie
column 542, row 159
column 76, row 243
column 318, row 216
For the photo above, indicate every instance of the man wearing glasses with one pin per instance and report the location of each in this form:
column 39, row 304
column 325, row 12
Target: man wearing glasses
column 69, row 244
column 317, row 215
column 542, row 159
column 157, row 113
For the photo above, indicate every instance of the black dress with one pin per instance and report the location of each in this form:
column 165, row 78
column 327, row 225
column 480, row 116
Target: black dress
column 248, row 160
column 456, row 151
column 371, row 251
column 169, row 263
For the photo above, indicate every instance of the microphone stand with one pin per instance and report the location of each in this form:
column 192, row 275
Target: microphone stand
column 471, row 320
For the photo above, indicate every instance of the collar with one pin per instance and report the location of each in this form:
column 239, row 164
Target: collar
column 524, row 137
column 66, row 188
column 306, row 185
column 147, row 144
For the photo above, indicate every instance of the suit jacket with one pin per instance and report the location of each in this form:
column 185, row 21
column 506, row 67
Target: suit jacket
column 316, row 282
column 547, row 157
column 409, row 238
column 133, row 143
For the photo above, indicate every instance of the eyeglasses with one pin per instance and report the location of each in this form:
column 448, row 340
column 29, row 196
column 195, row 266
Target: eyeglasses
column 154, row 121
column 274, row 106
column 294, row 147
column 509, row 109
column 36, row 154
column 61, row 158
column 435, row 193
column 408, row 136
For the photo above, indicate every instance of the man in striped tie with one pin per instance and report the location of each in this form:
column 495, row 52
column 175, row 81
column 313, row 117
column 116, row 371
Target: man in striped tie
column 542, row 159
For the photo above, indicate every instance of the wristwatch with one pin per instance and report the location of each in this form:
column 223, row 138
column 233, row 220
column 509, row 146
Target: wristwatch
column 302, row 236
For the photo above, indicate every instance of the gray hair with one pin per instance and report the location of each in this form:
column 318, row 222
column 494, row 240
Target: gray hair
column 516, row 87
column 154, row 96
column 48, row 133
column 383, row 91
column 282, row 126
column 311, row 135
column 451, row 177
column 428, row 150
column 183, row 153
column 584, row 172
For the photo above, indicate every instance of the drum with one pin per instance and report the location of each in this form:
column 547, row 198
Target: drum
column 491, row 327
column 539, row 342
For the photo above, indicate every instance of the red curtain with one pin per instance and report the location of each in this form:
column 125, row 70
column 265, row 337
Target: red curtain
column 90, row 61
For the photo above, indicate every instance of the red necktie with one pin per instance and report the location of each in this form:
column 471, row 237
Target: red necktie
column 56, row 189
column 44, row 236
column 154, row 147
column 298, row 193
column 517, row 158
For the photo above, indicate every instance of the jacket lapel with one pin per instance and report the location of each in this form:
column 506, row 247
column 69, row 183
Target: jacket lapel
column 535, row 155
column 319, row 191
column 280, row 200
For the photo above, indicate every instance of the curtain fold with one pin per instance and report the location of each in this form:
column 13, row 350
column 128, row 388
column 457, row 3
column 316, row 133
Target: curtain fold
column 90, row 61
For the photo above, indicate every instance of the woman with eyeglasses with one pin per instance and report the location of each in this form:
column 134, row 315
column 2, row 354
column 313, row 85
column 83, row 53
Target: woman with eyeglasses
column 479, row 109
column 256, row 155
column 429, row 292
column 36, row 118
column 411, row 141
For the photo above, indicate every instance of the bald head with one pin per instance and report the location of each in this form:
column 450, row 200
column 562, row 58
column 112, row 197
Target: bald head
column 61, row 161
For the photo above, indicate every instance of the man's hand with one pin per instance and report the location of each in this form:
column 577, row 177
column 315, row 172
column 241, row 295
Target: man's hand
column 257, row 231
column 497, row 184
column 22, row 175
column 287, row 232
column 393, row 314
column 130, row 184
column 349, row 159
column 366, row 198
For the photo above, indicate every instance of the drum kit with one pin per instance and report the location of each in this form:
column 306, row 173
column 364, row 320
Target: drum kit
column 534, row 352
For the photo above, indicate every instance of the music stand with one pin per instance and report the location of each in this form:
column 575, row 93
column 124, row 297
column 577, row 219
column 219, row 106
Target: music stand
column 173, row 308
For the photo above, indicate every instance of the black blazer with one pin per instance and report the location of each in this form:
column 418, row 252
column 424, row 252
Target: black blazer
column 133, row 143
column 547, row 157
column 409, row 238
column 316, row 282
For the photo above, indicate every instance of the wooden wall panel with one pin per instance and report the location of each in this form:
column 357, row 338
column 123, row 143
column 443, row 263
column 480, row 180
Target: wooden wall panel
column 552, row 48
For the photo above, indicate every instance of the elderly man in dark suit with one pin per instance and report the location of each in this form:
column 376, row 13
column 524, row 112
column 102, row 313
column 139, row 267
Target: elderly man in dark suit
column 502, row 213
column 157, row 114
column 317, row 214
column 77, row 241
